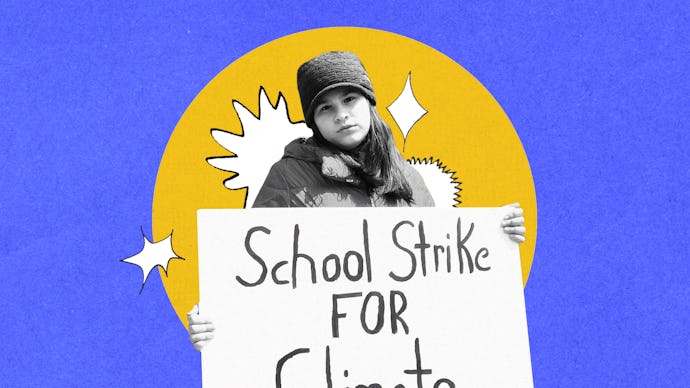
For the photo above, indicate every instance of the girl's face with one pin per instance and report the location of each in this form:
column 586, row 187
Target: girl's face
column 343, row 118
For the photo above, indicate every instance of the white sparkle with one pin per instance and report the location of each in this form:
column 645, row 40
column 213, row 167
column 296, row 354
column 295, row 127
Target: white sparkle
column 406, row 110
column 153, row 254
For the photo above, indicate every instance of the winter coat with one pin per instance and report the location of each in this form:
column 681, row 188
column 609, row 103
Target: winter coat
column 313, row 176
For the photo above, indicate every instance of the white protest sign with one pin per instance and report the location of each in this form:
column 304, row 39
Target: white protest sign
column 371, row 298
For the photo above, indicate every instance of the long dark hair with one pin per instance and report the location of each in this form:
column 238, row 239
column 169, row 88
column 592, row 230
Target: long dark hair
column 382, row 164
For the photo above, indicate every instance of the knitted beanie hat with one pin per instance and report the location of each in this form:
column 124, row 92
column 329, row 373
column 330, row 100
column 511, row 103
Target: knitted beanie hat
column 328, row 71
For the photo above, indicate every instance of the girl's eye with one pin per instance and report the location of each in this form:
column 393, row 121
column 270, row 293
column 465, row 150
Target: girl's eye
column 350, row 98
column 324, row 108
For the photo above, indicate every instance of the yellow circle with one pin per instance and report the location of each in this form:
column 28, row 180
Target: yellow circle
column 465, row 129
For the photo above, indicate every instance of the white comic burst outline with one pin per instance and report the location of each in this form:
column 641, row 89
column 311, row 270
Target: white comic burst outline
column 452, row 176
column 271, row 128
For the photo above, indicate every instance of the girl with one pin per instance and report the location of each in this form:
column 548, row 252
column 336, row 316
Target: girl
column 350, row 161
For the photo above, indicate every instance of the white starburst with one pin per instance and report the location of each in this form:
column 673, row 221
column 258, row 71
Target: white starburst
column 406, row 110
column 152, row 255
column 440, row 181
column 264, row 137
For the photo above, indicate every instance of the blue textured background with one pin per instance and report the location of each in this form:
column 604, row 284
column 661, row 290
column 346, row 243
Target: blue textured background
column 91, row 93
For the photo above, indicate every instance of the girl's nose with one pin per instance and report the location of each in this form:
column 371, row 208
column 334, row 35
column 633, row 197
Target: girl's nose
column 342, row 115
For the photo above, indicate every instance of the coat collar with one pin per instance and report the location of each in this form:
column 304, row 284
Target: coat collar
column 335, row 165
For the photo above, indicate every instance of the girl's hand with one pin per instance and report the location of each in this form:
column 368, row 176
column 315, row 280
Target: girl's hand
column 200, row 329
column 513, row 223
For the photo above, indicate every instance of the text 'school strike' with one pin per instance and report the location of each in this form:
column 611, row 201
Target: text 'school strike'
column 355, row 265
